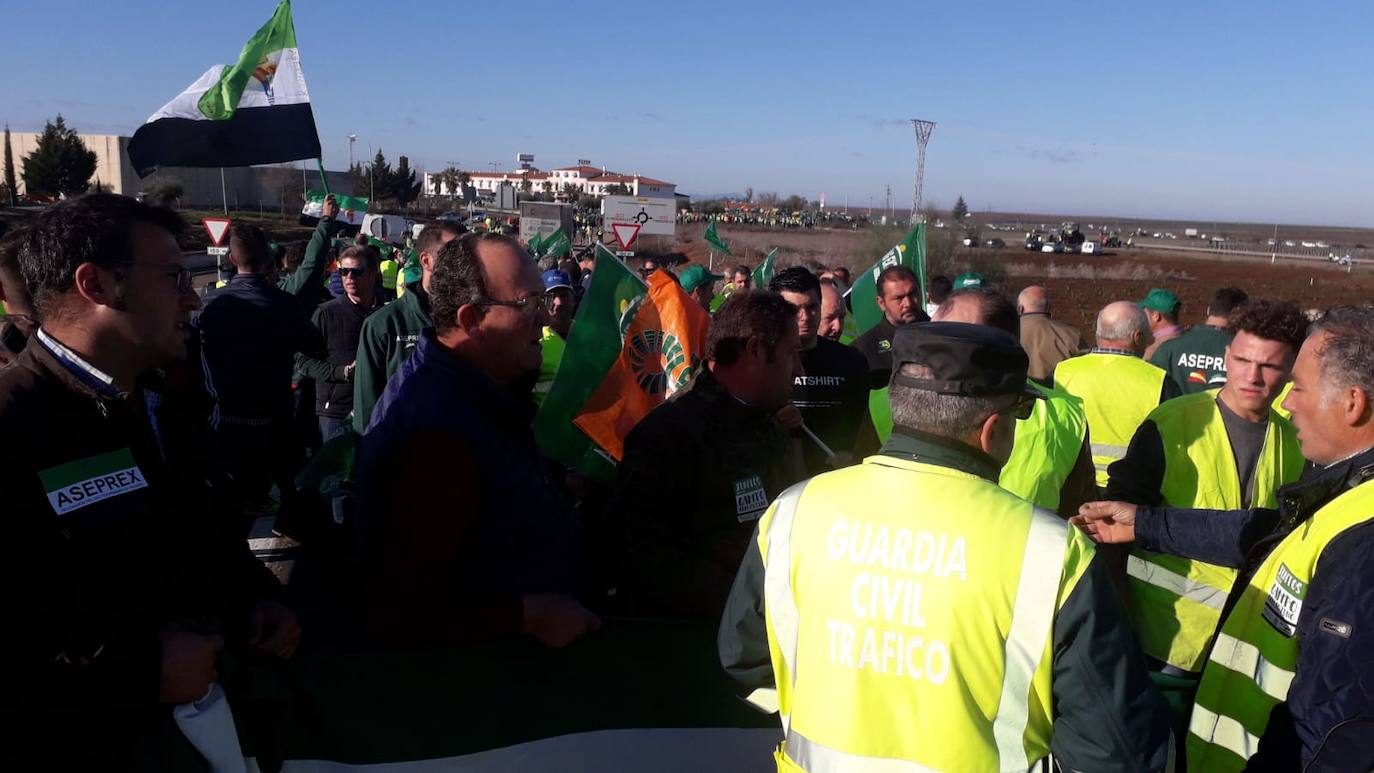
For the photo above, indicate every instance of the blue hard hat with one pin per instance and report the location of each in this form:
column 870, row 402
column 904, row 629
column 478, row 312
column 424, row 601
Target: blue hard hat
column 555, row 279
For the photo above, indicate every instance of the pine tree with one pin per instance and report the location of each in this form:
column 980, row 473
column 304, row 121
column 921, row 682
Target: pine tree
column 61, row 164
column 960, row 210
column 403, row 185
column 11, row 189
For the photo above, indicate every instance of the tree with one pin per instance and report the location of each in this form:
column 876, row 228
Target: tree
column 570, row 191
column 376, row 177
column 403, row 186
column 618, row 189
column 527, row 184
column 960, row 210
column 61, row 164
column 749, row 195
column 547, row 185
column 166, row 192
column 768, row 200
column 793, row 203
column 11, row 187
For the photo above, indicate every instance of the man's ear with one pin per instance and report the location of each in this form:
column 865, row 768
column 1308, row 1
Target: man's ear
column 96, row 284
column 988, row 431
column 470, row 319
column 1356, row 404
column 754, row 349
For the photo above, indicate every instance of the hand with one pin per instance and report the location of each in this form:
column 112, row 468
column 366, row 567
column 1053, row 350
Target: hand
column 330, row 208
column 556, row 619
column 789, row 416
column 188, row 666
column 1109, row 522
column 273, row 629
column 349, row 369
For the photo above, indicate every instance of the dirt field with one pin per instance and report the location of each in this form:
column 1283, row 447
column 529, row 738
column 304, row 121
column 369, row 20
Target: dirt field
column 1079, row 284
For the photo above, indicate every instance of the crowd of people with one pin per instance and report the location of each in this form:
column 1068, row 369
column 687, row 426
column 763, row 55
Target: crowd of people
column 964, row 539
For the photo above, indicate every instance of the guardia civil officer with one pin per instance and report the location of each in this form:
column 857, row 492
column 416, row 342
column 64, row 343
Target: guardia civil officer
column 907, row 613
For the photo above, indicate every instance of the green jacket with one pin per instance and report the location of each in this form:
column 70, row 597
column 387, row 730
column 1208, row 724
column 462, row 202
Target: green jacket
column 307, row 283
column 387, row 339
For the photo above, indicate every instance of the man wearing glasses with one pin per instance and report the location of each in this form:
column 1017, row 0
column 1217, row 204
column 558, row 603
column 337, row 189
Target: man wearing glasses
column 488, row 551
column 120, row 583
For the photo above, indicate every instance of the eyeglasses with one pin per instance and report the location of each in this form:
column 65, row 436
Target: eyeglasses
column 525, row 305
column 1022, row 408
column 182, row 274
column 352, row 272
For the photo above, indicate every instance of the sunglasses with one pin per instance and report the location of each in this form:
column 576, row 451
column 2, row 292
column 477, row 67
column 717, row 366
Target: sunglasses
column 355, row 272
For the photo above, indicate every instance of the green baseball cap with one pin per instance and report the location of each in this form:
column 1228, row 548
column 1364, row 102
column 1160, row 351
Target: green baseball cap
column 971, row 279
column 693, row 277
column 1161, row 300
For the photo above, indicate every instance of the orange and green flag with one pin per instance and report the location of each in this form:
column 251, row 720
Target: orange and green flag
column 632, row 345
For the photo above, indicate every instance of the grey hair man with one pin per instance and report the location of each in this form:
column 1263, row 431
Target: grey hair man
column 1047, row 341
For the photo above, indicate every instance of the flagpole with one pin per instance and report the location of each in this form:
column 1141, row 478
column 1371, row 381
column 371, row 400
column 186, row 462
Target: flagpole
column 323, row 180
column 223, row 192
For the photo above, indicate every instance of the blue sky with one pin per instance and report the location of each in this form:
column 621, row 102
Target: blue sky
column 1258, row 111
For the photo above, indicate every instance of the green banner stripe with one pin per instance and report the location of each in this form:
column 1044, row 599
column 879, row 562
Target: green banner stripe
column 85, row 469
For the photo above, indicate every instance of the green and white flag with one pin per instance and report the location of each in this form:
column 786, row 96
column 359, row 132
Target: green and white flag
column 255, row 111
column 863, row 297
column 535, row 246
column 351, row 208
column 764, row 273
column 714, row 240
column 557, row 245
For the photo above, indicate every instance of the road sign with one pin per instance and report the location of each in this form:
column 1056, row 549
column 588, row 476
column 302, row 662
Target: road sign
column 218, row 228
column 216, row 250
column 654, row 216
column 626, row 233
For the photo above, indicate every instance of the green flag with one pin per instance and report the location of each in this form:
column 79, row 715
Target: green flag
column 351, row 208
column 593, row 346
column 535, row 245
column 557, row 245
column 863, row 297
column 714, row 240
column 764, row 273
column 262, row 51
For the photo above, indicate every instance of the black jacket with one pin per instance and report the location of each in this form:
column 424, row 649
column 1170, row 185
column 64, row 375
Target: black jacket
column 103, row 548
column 250, row 333
column 1327, row 722
column 1108, row 716
column 697, row 472
column 340, row 323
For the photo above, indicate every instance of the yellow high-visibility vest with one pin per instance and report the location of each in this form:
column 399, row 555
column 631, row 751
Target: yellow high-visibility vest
column 390, row 269
column 1045, row 449
column 1256, row 654
column 1175, row 603
column 869, row 598
column 1117, row 393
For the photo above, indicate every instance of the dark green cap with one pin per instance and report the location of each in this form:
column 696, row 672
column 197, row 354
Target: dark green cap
column 1161, row 300
column 693, row 277
column 971, row 279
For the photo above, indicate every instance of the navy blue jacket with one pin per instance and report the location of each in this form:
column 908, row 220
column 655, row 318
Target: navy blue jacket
column 460, row 518
column 250, row 333
column 1327, row 723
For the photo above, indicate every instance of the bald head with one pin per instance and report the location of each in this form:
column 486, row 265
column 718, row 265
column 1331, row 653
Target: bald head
column 1122, row 325
column 979, row 306
column 1033, row 300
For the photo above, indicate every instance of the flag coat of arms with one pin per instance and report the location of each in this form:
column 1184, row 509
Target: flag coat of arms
column 863, row 297
column 255, row 111
column 618, row 364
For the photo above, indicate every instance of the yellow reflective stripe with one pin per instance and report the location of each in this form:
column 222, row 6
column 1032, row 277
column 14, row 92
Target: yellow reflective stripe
column 765, row 699
column 777, row 582
column 1245, row 658
column 1223, row 731
column 1032, row 617
column 1175, row 583
column 816, row 757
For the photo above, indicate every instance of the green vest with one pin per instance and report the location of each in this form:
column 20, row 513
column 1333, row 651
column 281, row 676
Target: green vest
column 870, row 634
column 390, row 269
column 1117, row 393
column 1046, row 447
column 1256, row 654
column 1175, row 603
column 880, row 410
column 552, row 345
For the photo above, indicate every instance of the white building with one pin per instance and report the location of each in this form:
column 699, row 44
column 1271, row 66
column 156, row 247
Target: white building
column 586, row 179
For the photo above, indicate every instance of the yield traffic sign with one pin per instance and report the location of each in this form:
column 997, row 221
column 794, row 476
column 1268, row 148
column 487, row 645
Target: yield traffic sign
column 218, row 228
column 625, row 233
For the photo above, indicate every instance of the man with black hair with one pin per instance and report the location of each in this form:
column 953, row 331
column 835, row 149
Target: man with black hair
column 121, row 579
column 1196, row 360
column 899, row 298
column 20, row 318
column 940, row 288
column 388, row 337
column 831, row 396
column 251, row 331
column 500, row 558
column 700, row 469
